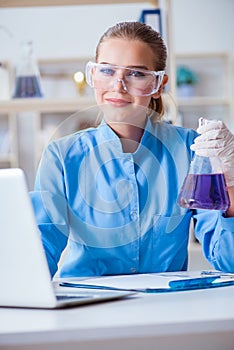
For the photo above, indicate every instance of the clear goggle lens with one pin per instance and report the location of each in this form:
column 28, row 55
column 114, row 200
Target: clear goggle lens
column 137, row 82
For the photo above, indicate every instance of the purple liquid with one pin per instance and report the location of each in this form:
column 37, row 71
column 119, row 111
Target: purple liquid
column 204, row 192
column 27, row 86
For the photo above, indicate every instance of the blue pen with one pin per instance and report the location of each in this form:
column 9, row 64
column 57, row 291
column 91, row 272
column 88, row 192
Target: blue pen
column 193, row 283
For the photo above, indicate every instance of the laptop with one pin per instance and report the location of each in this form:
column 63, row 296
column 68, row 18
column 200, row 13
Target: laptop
column 25, row 279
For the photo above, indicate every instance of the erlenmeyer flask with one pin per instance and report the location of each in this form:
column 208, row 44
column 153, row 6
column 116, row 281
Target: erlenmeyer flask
column 204, row 186
column 27, row 83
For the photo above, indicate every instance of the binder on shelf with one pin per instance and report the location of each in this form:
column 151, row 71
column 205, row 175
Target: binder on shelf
column 153, row 18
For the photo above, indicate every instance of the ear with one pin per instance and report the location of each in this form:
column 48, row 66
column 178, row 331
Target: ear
column 164, row 82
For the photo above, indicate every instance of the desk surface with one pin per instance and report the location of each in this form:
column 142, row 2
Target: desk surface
column 196, row 319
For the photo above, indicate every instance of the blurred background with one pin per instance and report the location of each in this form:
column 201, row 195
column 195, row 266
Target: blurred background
column 58, row 41
column 44, row 49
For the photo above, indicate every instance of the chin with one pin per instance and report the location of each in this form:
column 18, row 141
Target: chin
column 130, row 112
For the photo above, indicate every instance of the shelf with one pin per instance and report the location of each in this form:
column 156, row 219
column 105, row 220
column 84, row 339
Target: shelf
column 32, row 3
column 53, row 104
column 7, row 158
column 197, row 55
column 212, row 94
column 203, row 101
column 45, row 105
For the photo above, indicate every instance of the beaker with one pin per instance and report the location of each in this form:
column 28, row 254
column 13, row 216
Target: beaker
column 204, row 186
column 27, row 82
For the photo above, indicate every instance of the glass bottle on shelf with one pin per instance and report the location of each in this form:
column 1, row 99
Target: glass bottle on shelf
column 4, row 83
column 204, row 186
column 27, row 81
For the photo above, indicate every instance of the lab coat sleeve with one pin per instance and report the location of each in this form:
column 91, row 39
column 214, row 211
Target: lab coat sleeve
column 50, row 206
column 216, row 235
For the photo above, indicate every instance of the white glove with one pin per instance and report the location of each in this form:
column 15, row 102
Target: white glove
column 216, row 140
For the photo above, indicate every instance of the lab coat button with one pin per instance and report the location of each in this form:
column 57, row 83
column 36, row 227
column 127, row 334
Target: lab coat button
column 133, row 215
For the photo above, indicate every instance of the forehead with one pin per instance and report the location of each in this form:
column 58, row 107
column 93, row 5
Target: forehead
column 123, row 52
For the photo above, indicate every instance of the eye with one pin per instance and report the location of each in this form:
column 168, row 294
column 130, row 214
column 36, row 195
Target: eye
column 136, row 73
column 107, row 71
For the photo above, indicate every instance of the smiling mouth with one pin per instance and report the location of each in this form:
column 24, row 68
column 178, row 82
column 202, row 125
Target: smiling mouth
column 118, row 102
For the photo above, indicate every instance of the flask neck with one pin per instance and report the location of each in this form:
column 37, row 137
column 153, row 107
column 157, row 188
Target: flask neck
column 205, row 165
column 27, row 65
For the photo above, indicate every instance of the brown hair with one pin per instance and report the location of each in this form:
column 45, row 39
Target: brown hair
column 145, row 33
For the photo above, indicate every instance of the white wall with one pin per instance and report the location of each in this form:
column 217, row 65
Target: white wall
column 198, row 25
column 203, row 25
column 61, row 31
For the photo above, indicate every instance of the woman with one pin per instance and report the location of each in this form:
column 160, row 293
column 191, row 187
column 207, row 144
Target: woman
column 110, row 193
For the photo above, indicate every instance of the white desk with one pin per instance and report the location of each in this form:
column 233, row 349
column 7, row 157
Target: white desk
column 201, row 320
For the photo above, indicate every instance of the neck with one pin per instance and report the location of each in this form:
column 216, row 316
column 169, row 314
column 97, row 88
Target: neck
column 129, row 135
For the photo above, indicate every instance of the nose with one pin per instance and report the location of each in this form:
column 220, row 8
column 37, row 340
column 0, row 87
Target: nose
column 119, row 85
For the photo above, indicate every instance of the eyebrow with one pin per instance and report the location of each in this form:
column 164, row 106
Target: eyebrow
column 130, row 67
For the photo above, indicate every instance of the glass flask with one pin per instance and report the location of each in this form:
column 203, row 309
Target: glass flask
column 27, row 82
column 204, row 186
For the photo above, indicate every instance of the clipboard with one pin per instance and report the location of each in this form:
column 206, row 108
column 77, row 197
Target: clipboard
column 156, row 282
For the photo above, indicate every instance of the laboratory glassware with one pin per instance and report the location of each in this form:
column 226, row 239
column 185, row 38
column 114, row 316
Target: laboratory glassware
column 28, row 81
column 204, row 186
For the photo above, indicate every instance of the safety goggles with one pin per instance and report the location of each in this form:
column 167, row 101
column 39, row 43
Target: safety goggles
column 137, row 82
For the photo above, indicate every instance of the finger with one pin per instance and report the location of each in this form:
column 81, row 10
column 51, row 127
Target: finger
column 212, row 125
column 215, row 134
column 216, row 144
column 209, row 135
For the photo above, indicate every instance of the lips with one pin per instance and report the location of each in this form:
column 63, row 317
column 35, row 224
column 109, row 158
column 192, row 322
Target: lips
column 117, row 102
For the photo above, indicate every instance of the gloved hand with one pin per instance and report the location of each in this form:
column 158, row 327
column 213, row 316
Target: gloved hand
column 216, row 140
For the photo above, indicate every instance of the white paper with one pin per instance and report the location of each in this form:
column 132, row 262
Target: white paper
column 140, row 281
